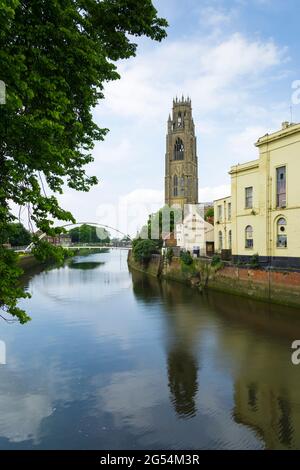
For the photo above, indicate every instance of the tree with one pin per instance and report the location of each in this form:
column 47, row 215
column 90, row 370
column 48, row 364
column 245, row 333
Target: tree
column 17, row 235
column 55, row 57
column 143, row 250
column 209, row 214
column 89, row 234
column 161, row 222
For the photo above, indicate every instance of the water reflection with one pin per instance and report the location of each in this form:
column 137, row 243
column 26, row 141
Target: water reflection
column 85, row 265
column 116, row 360
column 251, row 339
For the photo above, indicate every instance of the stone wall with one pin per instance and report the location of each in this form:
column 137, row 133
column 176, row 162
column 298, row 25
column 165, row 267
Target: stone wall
column 274, row 286
column 153, row 268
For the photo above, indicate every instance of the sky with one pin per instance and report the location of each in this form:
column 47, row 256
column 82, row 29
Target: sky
column 236, row 59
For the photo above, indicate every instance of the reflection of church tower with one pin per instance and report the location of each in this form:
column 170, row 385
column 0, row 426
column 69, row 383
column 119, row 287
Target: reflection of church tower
column 182, row 371
column 181, row 178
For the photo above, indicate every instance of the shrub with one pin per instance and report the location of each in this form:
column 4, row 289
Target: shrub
column 186, row 258
column 47, row 253
column 254, row 262
column 143, row 249
column 169, row 254
column 215, row 260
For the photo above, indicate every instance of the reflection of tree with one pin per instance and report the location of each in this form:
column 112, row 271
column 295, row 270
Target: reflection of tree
column 252, row 348
column 182, row 371
column 85, row 265
column 182, row 327
column 145, row 288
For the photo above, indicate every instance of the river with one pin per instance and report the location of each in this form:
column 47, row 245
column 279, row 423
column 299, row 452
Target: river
column 116, row 360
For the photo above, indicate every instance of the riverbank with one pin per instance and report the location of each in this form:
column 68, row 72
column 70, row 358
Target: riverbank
column 28, row 262
column 280, row 287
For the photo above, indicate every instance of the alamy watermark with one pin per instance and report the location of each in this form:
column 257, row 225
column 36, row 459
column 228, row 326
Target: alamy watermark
column 127, row 217
column 296, row 354
column 2, row 92
column 296, row 92
column 2, row 352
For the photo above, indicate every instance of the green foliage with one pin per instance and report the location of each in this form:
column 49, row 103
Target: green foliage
column 17, row 235
column 47, row 253
column 209, row 213
column 254, row 262
column 162, row 221
column 56, row 56
column 89, row 234
column 215, row 260
column 9, row 275
column 186, row 258
column 143, row 250
column 169, row 254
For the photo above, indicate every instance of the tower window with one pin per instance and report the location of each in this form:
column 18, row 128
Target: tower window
column 230, row 239
column 179, row 150
column 175, row 185
column 281, row 233
column 179, row 120
column 249, row 237
column 281, row 187
column 182, row 188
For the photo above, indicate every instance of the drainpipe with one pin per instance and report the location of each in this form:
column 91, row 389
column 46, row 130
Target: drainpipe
column 269, row 206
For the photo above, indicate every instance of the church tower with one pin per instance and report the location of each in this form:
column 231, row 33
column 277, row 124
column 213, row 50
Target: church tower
column 181, row 174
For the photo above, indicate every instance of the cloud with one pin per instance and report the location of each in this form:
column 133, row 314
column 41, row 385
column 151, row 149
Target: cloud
column 203, row 68
column 212, row 16
column 131, row 211
column 111, row 152
column 209, row 194
column 242, row 143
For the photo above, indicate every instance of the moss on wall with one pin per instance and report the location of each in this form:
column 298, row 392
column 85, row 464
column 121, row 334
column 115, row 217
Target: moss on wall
column 270, row 286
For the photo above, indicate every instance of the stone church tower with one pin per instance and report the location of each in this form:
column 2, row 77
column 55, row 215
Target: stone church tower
column 181, row 175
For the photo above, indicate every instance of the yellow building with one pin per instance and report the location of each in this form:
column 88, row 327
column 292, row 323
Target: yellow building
column 265, row 202
column 222, row 227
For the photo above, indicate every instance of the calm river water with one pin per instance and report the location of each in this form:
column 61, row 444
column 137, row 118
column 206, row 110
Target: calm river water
column 115, row 360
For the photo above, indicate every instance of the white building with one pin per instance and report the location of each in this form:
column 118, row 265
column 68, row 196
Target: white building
column 194, row 234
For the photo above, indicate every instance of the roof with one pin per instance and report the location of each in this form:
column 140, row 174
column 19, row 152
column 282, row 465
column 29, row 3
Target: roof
column 286, row 130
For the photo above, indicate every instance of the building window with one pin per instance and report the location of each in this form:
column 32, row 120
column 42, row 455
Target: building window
column 175, row 185
column 220, row 241
column 178, row 150
column 182, row 188
column 249, row 197
column 230, row 240
column 249, row 237
column 179, row 120
column 281, row 233
column 220, row 213
column 229, row 210
column 281, row 186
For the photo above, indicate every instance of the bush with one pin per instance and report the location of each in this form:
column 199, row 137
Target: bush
column 254, row 262
column 143, row 250
column 215, row 260
column 186, row 258
column 17, row 235
column 169, row 254
column 44, row 252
